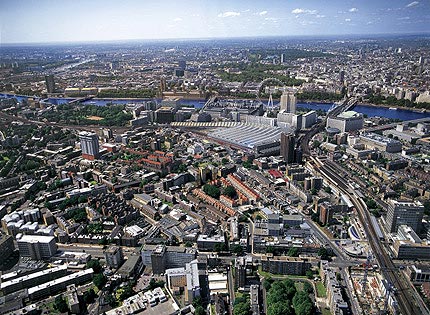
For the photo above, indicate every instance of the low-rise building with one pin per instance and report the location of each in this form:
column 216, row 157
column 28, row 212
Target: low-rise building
column 285, row 265
column 54, row 286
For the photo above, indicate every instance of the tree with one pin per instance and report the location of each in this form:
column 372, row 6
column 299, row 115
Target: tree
column 302, row 303
column 280, row 308
column 212, row 191
column 60, row 304
column 236, row 249
column 110, row 299
column 89, row 296
column 229, row 191
column 323, row 253
column 155, row 284
column 242, row 308
column 307, row 287
column 293, row 252
column 95, row 264
column 316, row 144
column 220, row 247
column 199, row 310
column 309, row 274
column 99, row 280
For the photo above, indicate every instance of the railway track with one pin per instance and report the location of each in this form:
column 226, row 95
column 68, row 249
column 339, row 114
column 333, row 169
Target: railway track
column 389, row 270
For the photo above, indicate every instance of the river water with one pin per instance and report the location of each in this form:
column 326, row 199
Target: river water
column 369, row 111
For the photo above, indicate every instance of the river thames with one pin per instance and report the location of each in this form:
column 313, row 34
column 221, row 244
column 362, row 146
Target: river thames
column 367, row 110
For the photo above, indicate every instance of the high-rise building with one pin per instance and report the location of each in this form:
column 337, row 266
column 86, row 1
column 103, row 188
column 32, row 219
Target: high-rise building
column 287, row 147
column 420, row 64
column 408, row 213
column 282, row 58
column 89, row 145
column 182, row 64
column 50, row 83
column 288, row 102
column 342, row 77
column 37, row 247
column 114, row 256
column 326, row 213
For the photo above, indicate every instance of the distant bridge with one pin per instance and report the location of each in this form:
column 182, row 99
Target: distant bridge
column 81, row 100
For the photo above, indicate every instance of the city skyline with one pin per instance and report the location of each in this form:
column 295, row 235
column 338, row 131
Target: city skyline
column 66, row 21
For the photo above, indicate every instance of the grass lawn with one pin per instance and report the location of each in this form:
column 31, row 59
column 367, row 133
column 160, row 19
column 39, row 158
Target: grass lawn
column 321, row 290
column 299, row 286
column 325, row 311
column 50, row 308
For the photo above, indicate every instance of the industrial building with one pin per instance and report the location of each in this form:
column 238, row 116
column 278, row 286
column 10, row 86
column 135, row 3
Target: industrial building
column 184, row 280
column 261, row 139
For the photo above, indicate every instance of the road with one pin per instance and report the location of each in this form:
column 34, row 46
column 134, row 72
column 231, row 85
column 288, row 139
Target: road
column 304, row 141
column 230, row 288
column 93, row 250
column 323, row 238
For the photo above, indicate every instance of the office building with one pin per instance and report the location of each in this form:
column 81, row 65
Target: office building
column 89, row 145
column 131, row 268
column 254, row 295
column 404, row 213
column 309, row 119
column 161, row 257
column 50, row 83
column 373, row 141
column 6, row 247
column 165, row 115
column 287, row 147
column 326, row 213
column 37, row 247
column 208, row 243
column 182, row 64
column 346, row 121
column 288, row 102
column 342, row 77
column 32, row 279
column 114, row 256
column 184, row 280
column 285, row 265
column 282, row 58
column 54, row 286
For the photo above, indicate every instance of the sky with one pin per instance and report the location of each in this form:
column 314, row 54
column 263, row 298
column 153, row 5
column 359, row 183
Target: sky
column 25, row 21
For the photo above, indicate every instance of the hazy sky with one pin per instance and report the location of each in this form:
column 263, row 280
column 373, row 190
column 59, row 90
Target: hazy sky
column 79, row 20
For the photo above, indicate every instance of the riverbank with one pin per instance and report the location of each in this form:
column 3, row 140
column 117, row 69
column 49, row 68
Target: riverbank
column 413, row 109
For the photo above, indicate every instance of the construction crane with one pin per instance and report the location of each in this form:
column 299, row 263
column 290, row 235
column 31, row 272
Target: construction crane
column 366, row 271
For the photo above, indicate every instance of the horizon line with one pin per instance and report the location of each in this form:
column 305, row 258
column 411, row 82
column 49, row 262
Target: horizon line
column 316, row 36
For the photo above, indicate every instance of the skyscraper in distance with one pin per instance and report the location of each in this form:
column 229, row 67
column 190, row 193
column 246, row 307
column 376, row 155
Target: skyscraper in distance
column 282, row 58
column 287, row 147
column 50, row 83
column 89, row 145
column 288, row 102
